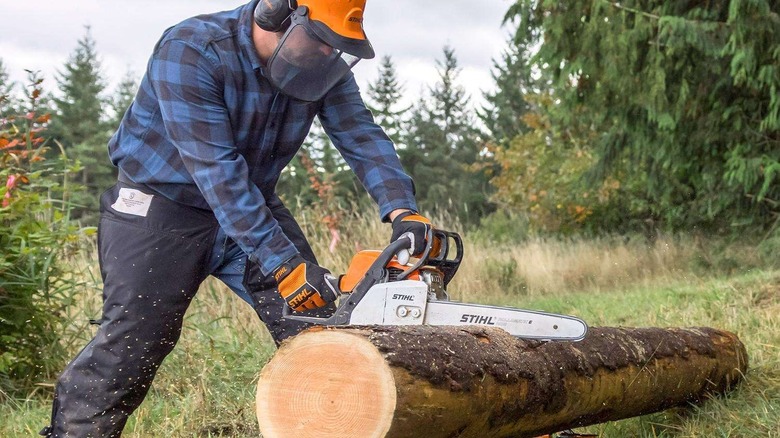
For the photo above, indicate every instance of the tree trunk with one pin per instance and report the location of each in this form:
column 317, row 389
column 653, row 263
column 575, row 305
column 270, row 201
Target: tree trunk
column 434, row 382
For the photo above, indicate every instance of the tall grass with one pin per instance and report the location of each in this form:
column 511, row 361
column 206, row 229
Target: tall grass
column 551, row 266
column 538, row 265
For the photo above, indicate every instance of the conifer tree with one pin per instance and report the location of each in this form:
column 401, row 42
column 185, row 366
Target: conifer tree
column 9, row 100
column 443, row 148
column 80, row 125
column 123, row 97
column 684, row 96
column 502, row 115
column 317, row 159
column 384, row 100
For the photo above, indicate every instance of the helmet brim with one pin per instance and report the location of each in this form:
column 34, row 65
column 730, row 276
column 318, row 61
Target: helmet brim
column 355, row 47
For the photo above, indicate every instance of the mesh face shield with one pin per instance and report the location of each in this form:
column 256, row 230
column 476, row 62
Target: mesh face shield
column 303, row 66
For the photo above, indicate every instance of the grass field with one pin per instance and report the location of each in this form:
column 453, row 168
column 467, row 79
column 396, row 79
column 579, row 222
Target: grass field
column 206, row 386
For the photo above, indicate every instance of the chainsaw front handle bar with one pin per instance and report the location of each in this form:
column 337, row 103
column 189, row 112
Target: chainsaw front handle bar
column 423, row 258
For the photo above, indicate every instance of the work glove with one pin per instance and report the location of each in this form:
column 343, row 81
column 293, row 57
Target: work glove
column 304, row 285
column 416, row 225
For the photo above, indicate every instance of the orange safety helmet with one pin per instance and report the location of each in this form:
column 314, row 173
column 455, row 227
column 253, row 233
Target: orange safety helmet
column 339, row 23
column 323, row 40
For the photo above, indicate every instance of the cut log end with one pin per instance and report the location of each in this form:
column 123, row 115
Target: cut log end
column 324, row 384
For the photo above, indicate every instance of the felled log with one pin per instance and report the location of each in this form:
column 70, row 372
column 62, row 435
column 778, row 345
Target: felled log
column 478, row 382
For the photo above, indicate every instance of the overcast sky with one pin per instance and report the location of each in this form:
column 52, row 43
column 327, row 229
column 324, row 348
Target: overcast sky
column 39, row 35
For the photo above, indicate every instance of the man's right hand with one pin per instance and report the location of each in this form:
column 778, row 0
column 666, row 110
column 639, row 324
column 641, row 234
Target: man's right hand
column 414, row 224
column 303, row 285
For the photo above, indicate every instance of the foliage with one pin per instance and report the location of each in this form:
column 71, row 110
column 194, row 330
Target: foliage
column 36, row 236
column 769, row 248
column 384, row 97
column 123, row 98
column 541, row 173
column 444, row 150
column 502, row 226
column 10, row 105
column 81, row 126
column 502, row 114
column 318, row 160
column 684, row 96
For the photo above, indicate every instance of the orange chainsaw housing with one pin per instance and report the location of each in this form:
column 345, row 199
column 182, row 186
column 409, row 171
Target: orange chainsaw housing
column 360, row 263
column 436, row 266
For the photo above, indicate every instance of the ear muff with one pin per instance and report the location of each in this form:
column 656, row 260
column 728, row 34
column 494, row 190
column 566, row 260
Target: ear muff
column 272, row 15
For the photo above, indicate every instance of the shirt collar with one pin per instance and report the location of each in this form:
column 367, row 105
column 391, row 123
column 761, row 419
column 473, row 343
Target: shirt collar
column 245, row 35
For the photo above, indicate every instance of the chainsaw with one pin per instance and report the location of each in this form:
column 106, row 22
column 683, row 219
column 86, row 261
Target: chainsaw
column 389, row 288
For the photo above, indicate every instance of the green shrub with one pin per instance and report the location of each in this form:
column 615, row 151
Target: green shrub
column 36, row 240
column 769, row 249
column 502, row 227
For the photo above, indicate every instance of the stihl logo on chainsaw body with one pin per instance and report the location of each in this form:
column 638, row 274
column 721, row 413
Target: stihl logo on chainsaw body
column 403, row 297
column 477, row 319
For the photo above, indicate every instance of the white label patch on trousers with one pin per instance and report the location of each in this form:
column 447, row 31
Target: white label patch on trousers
column 132, row 201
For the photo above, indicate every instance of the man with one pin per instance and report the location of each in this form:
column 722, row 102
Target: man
column 226, row 101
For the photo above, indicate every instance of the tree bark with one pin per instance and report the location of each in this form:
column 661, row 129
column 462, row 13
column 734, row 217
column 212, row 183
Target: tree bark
column 420, row 381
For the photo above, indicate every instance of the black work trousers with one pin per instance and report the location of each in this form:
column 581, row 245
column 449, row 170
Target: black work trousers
column 151, row 267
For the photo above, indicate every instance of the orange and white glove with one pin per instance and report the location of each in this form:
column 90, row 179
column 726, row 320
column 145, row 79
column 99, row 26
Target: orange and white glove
column 416, row 226
column 304, row 285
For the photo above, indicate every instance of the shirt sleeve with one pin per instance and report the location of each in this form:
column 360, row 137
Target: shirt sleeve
column 189, row 88
column 366, row 148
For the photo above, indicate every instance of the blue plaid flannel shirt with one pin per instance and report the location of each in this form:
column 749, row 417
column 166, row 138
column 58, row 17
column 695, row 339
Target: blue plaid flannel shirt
column 207, row 130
